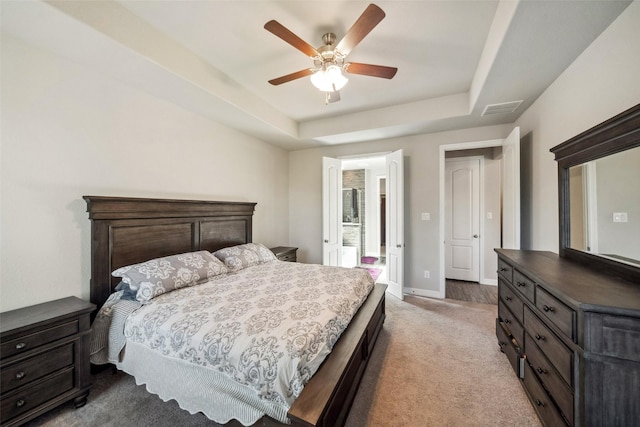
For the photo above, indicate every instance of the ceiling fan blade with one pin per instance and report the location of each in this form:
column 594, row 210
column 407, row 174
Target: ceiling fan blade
column 292, row 76
column 370, row 70
column 363, row 26
column 281, row 31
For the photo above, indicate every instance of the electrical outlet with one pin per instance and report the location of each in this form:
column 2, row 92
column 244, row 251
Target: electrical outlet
column 620, row 217
column 427, row 274
column 426, row 216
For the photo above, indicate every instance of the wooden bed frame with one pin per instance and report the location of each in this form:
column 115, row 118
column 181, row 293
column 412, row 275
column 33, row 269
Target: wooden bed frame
column 126, row 231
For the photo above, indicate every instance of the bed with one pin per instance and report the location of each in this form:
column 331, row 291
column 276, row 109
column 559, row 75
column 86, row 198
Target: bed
column 126, row 231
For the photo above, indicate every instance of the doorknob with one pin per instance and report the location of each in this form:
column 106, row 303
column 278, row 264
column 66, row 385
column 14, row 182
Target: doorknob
column 326, row 241
column 398, row 246
column 475, row 236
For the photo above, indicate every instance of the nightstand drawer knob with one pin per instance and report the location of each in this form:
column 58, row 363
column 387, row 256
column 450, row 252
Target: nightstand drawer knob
column 20, row 375
column 20, row 346
column 20, row 403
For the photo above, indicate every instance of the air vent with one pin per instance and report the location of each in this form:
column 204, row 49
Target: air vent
column 503, row 108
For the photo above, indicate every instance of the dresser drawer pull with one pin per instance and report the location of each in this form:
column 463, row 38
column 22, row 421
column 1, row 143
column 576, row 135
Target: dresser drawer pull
column 508, row 298
column 20, row 403
column 541, row 371
column 501, row 345
column 539, row 337
column 539, row 402
column 503, row 269
column 546, row 308
column 507, row 321
column 20, row 345
column 521, row 284
column 20, row 375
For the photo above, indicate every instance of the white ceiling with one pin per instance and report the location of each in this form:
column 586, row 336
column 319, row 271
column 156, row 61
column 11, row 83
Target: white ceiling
column 214, row 58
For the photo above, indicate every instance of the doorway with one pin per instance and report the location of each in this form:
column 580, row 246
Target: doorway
column 372, row 192
column 498, row 222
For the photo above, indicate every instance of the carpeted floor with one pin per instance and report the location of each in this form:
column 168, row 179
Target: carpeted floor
column 436, row 363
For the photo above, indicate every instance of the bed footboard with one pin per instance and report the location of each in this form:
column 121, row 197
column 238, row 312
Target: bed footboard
column 327, row 397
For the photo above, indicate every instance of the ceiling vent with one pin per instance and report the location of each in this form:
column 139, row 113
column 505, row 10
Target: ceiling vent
column 503, row 108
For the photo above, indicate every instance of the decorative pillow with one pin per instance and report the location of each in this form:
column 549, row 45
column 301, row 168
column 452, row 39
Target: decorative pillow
column 157, row 276
column 243, row 256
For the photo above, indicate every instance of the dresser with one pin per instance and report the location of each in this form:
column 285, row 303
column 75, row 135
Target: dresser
column 285, row 253
column 44, row 358
column 572, row 337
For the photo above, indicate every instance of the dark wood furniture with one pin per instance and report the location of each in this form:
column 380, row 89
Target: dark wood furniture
column 44, row 358
column 285, row 253
column 131, row 230
column 570, row 323
column 573, row 335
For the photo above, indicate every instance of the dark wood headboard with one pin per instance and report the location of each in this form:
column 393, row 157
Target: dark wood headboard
column 128, row 230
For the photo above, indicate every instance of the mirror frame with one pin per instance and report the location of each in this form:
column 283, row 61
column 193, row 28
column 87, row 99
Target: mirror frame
column 617, row 134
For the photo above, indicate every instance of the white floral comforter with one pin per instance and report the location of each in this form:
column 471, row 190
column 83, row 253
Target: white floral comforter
column 267, row 327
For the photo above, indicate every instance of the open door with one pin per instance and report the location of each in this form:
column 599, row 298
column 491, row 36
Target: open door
column 511, row 191
column 395, row 223
column 331, row 211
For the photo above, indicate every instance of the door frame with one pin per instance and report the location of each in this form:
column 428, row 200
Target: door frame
column 456, row 147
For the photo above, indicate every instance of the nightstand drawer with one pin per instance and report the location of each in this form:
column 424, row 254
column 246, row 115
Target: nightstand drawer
column 27, row 342
column 20, row 402
column 285, row 253
column 31, row 369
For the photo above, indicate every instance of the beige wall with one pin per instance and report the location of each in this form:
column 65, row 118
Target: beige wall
column 421, row 195
column 68, row 131
column 602, row 82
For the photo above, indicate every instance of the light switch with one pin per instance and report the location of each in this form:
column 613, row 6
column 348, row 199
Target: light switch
column 426, row 216
column 489, row 215
column 619, row 217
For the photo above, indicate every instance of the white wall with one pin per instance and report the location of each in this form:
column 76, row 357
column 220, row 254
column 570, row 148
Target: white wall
column 421, row 195
column 68, row 131
column 602, row 82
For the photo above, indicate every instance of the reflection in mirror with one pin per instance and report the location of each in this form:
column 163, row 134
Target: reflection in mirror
column 605, row 206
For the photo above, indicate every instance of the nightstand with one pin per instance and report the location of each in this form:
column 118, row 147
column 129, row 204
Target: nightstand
column 285, row 253
column 44, row 358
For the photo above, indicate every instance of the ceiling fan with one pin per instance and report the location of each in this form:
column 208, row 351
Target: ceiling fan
column 329, row 59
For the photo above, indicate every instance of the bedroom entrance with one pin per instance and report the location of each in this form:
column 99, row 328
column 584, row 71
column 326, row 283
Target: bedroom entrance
column 362, row 212
column 480, row 208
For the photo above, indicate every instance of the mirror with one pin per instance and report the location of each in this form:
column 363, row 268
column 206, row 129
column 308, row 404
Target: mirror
column 599, row 196
column 350, row 205
column 604, row 206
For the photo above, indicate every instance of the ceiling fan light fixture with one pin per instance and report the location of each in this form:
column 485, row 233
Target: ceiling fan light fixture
column 329, row 78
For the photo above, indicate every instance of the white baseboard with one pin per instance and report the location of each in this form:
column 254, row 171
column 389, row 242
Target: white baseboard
column 423, row 293
column 491, row 282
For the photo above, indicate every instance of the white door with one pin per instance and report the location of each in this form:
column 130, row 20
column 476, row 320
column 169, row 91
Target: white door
column 462, row 219
column 331, row 211
column 395, row 223
column 511, row 191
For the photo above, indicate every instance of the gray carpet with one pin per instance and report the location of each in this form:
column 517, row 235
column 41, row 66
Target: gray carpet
column 436, row 363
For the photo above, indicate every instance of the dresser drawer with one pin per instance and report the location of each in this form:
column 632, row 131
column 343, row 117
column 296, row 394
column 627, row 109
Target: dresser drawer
column 511, row 323
column 36, row 367
column 542, row 403
column 557, row 353
column 524, row 285
column 43, row 336
column 505, row 270
column 19, row 402
column 546, row 373
column 509, row 348
column 511, row 300
column 556, row 312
